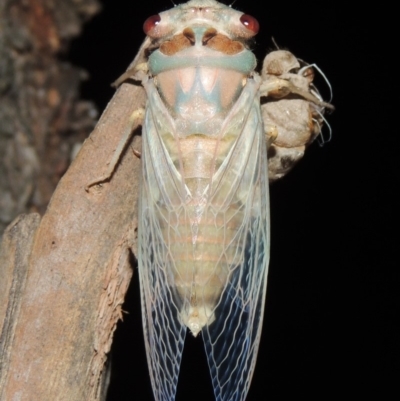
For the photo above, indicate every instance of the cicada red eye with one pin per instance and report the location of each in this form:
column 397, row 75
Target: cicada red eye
column 250, row 23
column 151, row 23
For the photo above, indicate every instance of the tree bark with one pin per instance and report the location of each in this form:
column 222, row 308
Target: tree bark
column 42, row 118
column 78, row 272
column 63, row 279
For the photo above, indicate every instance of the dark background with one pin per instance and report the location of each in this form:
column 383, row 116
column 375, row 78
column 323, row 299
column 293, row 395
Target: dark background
column 332, row 310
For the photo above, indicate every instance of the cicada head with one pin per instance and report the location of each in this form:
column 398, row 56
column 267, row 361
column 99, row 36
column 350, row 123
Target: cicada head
column 209, row 14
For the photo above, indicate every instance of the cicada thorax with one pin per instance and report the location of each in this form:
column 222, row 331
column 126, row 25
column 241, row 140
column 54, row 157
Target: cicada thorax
column 200, row 102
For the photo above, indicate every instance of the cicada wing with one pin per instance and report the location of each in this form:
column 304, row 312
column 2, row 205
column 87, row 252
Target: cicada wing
column 232, row 240
column 164, row 333
column 232, row 340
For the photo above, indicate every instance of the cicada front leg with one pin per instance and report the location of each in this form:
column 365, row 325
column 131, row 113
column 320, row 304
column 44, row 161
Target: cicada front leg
column 135, row 120
column 138, row 73
column 292, row 111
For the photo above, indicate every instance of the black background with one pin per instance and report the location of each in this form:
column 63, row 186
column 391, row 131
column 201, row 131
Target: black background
column 332, row 310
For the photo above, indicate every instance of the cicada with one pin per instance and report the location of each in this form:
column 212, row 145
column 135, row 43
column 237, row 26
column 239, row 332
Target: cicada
column 204, row 206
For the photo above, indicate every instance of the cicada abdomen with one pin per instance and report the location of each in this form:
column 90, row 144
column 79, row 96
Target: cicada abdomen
column 204, row 225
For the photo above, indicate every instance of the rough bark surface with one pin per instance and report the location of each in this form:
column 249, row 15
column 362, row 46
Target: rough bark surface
column 14, row 253
column 41, row 116
column 78, row 271
column 63, row 281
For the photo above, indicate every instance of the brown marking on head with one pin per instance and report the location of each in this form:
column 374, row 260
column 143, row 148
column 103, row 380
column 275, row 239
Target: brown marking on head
column 224, row 44
column 178, row 43
column 211, row 39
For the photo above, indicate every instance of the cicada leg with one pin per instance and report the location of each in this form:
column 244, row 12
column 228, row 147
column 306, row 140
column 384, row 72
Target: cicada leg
column 138, row 72
column 292, row 110
column 135, row 120
column 279, row 88
column 137, row 153
column 271, row 133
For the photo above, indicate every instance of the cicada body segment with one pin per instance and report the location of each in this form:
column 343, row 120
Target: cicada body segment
column 204, row 222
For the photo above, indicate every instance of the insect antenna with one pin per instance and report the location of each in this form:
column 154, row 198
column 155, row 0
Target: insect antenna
column 275, row 43
column 321, row 73
column 321, row 137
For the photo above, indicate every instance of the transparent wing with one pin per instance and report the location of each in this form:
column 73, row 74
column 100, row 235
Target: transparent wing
column 232, row 340
column 164, row 333
column 224, row 254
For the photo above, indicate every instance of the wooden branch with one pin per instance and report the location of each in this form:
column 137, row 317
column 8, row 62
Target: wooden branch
column 14, row 252
column 78, row 271
column 63, row 281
